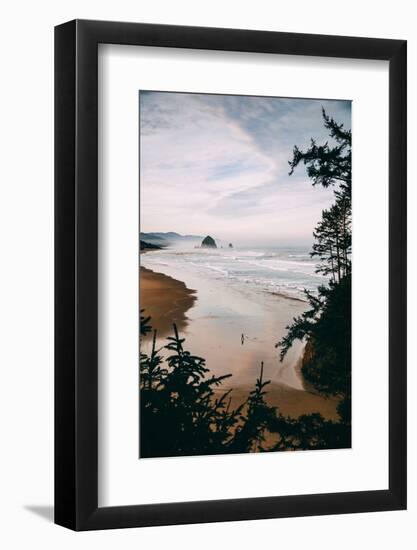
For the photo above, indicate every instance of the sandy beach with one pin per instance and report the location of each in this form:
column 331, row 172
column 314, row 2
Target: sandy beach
column 165, row 299
column 234, row 332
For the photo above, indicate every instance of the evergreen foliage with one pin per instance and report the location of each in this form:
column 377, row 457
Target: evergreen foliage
column 182, row 415
column 182, row 408
column 326, row 326
column 309, row 431
column 328, row 165
column 250, row 435
column 331, row 166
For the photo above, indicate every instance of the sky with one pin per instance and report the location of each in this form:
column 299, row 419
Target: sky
column 218, row 165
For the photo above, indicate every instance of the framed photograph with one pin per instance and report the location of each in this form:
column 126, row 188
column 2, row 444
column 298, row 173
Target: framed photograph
column 230, row 252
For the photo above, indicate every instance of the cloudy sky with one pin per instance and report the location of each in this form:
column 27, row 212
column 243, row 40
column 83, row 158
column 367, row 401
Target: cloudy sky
column 218, row 165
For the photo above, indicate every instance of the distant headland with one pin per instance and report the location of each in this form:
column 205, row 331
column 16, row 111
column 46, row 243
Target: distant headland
column 160, row 240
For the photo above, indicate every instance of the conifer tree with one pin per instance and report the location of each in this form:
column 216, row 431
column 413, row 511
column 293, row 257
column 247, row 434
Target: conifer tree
column 326, row 326
column 182, row 408
column 181, row 414
column 250, row 434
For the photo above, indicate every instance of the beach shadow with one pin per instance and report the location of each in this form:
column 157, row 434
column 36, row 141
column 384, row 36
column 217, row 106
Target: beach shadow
column 45, row 512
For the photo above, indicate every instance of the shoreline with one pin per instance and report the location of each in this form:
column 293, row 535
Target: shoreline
column 213, row 318
column 165, row 299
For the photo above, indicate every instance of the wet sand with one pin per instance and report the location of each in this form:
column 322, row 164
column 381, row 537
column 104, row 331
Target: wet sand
column 165, row 300
column 234, row 331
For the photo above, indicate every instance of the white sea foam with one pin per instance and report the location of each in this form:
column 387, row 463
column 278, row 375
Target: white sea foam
column 284, row 270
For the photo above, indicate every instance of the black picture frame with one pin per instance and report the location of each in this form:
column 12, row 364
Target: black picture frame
column 76, row 272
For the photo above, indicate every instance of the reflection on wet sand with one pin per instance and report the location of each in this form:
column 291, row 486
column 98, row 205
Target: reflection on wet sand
column 234, row 331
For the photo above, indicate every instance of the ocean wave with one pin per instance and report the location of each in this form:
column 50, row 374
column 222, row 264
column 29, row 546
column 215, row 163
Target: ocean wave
column 278, row 271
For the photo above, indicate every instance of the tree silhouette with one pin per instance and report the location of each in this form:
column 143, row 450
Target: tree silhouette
column 309, row 432
column 334, row 241
column 327, row 330
column 328, row 165
column 250, row 435
column 326, row 326
column 182, row 408
column 180, row 412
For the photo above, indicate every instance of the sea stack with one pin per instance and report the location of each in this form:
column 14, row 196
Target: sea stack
column 230, row 245
column 208, row 242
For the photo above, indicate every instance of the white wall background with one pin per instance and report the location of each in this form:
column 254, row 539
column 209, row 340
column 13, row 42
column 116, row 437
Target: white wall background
column 26, row 274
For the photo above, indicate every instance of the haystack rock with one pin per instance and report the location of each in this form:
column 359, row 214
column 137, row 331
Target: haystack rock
column 208, row 242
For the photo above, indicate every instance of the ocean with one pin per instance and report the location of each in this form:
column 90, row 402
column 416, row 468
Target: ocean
column 244, row 302
column 282, row 270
